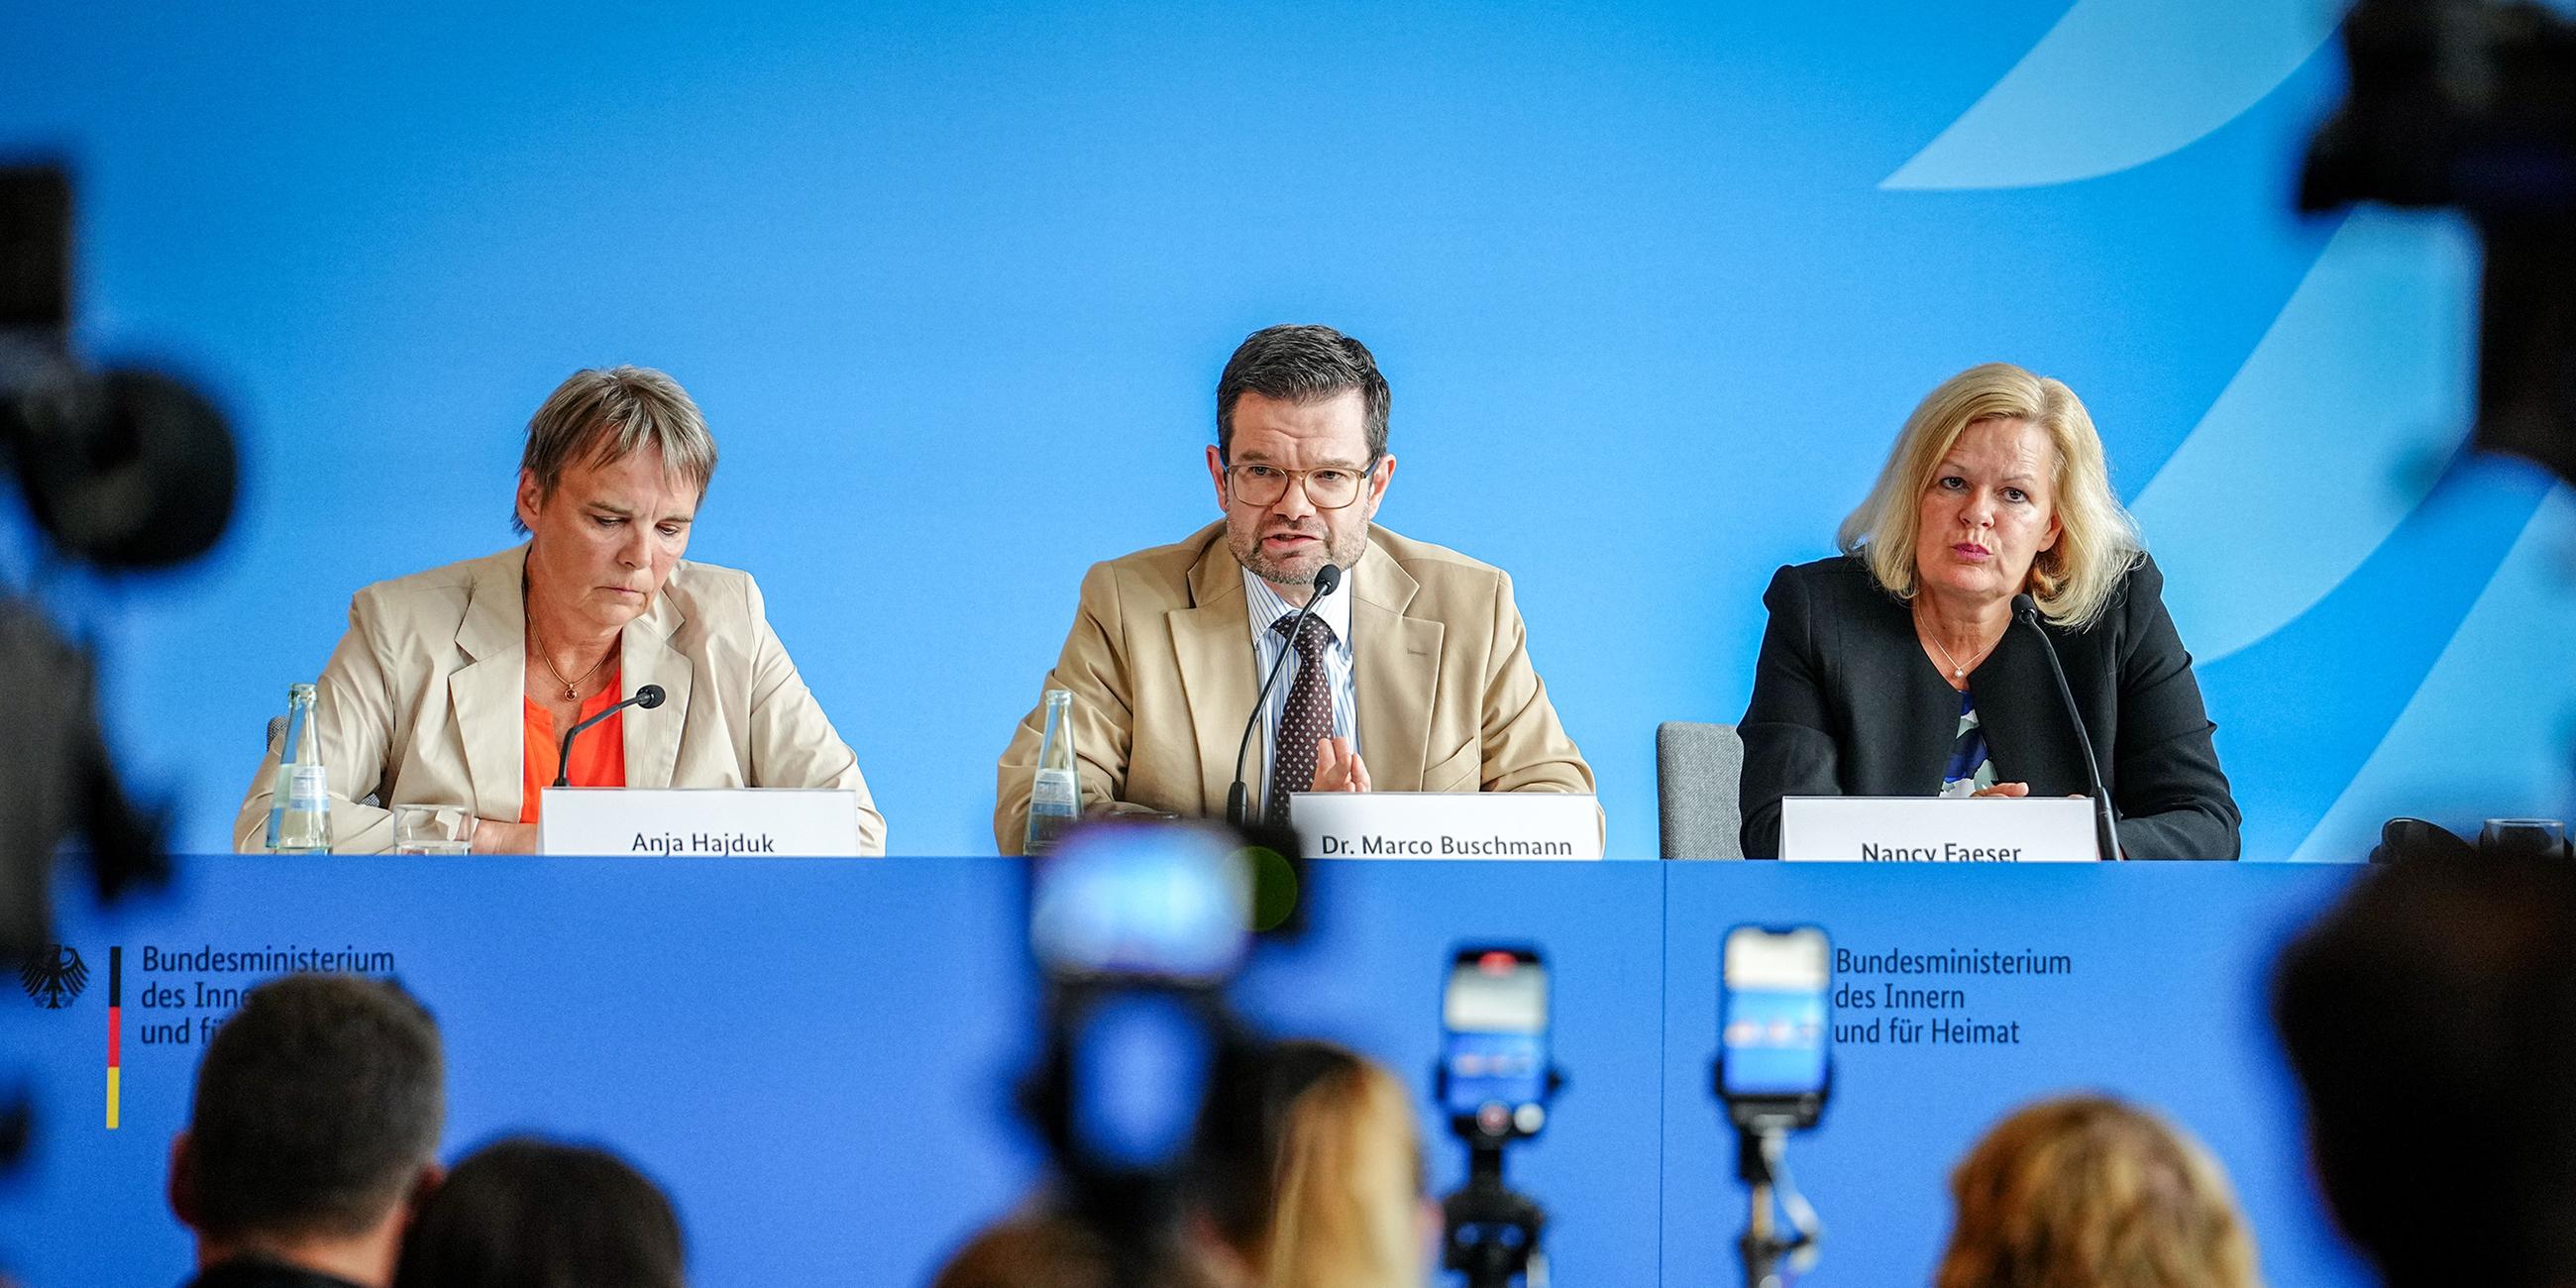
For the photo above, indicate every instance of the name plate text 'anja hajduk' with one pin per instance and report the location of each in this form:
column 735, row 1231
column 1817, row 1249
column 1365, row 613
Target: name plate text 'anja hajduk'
column 700, row 822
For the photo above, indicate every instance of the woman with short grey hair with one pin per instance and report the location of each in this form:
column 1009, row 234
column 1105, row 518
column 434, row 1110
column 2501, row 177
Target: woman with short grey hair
column 454, row 687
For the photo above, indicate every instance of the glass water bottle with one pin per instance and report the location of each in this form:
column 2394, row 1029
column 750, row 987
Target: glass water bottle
column 299, row 811
column 1055, row 793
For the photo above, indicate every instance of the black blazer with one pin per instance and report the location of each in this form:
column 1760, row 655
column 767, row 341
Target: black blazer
column 1846, row 704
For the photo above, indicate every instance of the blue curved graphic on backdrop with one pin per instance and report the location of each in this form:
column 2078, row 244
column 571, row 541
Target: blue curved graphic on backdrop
column 2328, row 437
column 2457, row 755
column 2312, row 702
column 2117, row 84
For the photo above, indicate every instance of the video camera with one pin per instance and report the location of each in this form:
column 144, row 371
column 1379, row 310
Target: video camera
column 2467, row 104
column 1137, row 928
column 122, row 470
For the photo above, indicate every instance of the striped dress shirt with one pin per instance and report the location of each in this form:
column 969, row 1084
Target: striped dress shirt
column 1264, row 606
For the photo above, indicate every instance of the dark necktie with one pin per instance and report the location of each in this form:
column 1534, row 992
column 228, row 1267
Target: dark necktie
column 1308, row 718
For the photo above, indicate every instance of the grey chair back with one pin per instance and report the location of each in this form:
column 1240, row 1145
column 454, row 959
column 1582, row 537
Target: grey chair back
column 1699, row 771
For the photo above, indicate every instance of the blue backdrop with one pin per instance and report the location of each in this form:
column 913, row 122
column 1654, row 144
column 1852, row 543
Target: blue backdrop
column 814, row 1056
column 1654, row 283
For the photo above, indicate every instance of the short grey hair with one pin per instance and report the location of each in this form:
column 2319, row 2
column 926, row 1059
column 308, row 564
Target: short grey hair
column 1302, row 364
column 598, row 416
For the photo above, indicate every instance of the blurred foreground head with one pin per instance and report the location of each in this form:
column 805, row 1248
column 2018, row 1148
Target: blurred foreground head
column 315, row 1126
column 1054, row 1250
column 2085, row 1190
column 1310, row 1172
column 2431, row 1019
column 525, row 1213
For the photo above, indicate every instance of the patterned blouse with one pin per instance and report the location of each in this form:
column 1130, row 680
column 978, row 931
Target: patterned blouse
column 1971, row 770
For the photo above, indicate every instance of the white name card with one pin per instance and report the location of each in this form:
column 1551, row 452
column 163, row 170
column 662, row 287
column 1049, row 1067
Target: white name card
column 1922, row 829
column 700, row 822
column 1447, row 825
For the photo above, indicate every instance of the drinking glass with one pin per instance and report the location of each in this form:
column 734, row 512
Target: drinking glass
column 432, row 829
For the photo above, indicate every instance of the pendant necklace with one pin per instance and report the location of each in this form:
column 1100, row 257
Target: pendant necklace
column 1957, row 672
column 572, row 690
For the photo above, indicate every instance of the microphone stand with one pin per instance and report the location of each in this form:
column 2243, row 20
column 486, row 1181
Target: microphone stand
column 1492, row 1231
column 1761, row 1162
column 2106, row 831
column 1326, row 578
column 648, row 697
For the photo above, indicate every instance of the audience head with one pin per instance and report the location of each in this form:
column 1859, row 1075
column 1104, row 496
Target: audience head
column 1310, row 1171
column 2430, row 1017
column 315, row 1126
column 526, row 1213
column 1054, row 1250
column 2086, row 1191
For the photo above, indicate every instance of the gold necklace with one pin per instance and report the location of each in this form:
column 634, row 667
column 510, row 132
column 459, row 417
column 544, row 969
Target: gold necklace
column 572, row 689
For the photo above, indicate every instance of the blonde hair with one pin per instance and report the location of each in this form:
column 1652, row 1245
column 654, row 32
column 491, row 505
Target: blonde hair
column 2097, row 541
column 2089, row 1192
column 1346, row 1185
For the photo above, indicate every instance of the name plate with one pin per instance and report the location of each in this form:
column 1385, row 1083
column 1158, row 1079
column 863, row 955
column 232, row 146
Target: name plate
column 1447, row 825
column 1922, row 829
column 700, row 822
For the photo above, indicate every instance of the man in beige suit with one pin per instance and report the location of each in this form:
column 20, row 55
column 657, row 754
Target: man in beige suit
column 1417, row 678
column 453, row 685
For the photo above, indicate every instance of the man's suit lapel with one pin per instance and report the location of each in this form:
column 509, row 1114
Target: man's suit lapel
column 652, row 738
column 1395, row 667
column 1212, row 642
column 487, row 697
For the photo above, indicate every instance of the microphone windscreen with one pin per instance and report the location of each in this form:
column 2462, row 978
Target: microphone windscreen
column 649, row 697
column 2025, row 606
column 1327, row 577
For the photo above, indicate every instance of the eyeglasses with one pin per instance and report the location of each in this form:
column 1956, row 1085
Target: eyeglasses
column 1333, row 487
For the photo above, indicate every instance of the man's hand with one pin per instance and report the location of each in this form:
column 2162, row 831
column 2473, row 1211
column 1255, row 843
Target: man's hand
column 1338, row 767
column 2004, row 789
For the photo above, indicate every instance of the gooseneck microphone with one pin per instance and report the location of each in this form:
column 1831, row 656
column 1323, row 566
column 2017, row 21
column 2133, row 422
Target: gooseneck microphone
column 2106, row 831
column 1326, row 578
column 648, row 697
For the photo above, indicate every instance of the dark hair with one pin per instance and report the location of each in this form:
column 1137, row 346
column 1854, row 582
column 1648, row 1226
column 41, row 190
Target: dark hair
column 317, row 1105
column 2431, row 1019
column 1301, row 364
column 527, row 1213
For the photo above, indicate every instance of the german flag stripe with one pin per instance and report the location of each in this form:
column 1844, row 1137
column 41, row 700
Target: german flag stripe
column 115, row 1032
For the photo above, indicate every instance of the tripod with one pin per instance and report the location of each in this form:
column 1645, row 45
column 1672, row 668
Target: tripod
column 1761, row 1162
column 1492, row 1231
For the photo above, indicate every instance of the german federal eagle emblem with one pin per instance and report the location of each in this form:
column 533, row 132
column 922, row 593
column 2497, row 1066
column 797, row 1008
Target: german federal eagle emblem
column 54, row 975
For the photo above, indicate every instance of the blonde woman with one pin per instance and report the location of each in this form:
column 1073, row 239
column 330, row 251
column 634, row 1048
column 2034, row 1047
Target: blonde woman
column 1310, row 1173
column 2088, row 1192
column 1896, row 669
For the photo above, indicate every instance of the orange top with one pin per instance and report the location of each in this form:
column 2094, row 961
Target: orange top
column 598, row 756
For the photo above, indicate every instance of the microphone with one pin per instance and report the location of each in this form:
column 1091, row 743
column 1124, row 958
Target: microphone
column 1326, row 578
column 648, row 697
column 2106, row 833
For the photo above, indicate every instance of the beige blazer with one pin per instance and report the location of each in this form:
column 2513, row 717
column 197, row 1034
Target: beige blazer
column 1161, row 667
column 422, row 701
